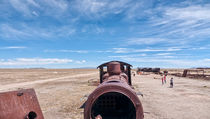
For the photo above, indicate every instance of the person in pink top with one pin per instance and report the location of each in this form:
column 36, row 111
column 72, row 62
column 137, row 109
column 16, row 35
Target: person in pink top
column 165, row 78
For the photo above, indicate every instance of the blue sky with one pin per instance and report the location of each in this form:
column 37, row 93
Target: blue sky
column 86, row 33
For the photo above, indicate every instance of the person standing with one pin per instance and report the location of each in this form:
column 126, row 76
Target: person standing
column 134, row 74
column 165, row 78
column 162, row 81
column 171, row 83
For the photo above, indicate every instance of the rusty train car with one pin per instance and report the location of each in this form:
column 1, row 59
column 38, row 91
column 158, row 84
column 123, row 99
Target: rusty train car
column 154, row 70
column 114, row 98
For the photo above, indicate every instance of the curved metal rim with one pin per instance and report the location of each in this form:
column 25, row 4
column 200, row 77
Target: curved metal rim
column 114, row 87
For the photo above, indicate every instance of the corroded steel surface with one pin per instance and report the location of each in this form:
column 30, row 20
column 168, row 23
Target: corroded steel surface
column 107, row 98
column 22, row 104
column 114, row 68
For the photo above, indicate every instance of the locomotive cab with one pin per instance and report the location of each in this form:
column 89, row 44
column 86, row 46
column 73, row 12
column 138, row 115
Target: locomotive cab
column 125, row 68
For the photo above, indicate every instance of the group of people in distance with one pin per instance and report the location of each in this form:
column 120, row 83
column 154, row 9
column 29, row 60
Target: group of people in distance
column 164, row 81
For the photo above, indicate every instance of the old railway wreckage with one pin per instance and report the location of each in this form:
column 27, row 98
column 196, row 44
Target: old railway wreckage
column 21, row 104
column 114, row 98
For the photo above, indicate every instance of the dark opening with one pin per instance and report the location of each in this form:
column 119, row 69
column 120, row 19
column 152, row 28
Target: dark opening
column 113, row 105
column 32, row 115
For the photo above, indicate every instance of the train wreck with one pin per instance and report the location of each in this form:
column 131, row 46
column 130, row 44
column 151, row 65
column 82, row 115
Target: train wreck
column 21, row 104
column 114, row 98
column 154, row 70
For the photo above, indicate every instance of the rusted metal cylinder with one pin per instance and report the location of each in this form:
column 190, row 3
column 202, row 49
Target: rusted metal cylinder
column 113, row 98
column 113, row 68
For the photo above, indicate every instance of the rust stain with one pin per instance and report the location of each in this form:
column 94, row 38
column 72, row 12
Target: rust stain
column 21, row 104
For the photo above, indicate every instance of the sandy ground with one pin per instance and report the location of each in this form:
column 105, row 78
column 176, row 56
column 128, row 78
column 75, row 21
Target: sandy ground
column 189, row 99
column 61, row 93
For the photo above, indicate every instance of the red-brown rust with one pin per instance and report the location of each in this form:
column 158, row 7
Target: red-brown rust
column 121, row 77
column 22, row 104
column 114, row 87
column 116, row 83
column 113, row 68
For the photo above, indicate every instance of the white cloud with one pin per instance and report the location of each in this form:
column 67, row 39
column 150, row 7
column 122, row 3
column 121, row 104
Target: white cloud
column 25, row 6
column 35, row 13
column 9, row 32
column 163, row 54
column 118, row 56
column 58, row 4
column 97, row 9
column 25, row 32
column 103, row 51
column 92, row 28
column 88, row 8
column 33, row 61
column 186, row 22
column 207, row 60
column 13, row 47
column 20, row 6
column 146, row 41
column 92, row 6
column 190, row 13
column 32, row 2
column 125, row 56
column 68, row 51
column 80, row 62
column 138, row 10
column 121, row 50
column 130, row 50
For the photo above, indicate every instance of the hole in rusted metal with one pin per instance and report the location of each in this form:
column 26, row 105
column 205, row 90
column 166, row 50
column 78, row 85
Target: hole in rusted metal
column 20, row 94
column 113, row 105
column 32, row 115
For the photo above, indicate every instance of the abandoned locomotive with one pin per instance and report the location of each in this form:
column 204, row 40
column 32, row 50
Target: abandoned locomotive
column 114, row 98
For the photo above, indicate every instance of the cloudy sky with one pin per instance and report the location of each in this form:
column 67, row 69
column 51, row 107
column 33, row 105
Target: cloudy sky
column 86, row 33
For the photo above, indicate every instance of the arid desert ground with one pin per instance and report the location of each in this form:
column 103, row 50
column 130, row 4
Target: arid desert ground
column 61, row 92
